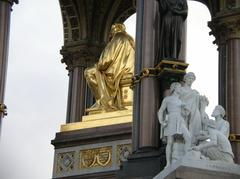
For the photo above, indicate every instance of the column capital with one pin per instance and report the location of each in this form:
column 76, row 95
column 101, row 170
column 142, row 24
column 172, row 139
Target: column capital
column 80, row 56
column 225, row 26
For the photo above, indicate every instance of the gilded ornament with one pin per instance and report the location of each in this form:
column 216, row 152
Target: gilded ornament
column 96, row 157
column 115, row 64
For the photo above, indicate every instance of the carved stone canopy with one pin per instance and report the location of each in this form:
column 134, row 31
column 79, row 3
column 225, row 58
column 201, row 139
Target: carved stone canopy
column 92, row 19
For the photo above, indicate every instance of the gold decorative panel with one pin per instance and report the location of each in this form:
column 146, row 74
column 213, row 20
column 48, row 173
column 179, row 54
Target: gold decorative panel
column 96, row 157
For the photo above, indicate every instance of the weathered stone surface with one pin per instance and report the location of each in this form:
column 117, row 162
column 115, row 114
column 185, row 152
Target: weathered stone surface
column 199, row 169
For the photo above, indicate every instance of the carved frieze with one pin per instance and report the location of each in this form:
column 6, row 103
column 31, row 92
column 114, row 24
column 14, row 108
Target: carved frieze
column 91, row 158
column 97, row 157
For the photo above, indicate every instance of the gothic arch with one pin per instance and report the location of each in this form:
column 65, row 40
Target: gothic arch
column 91, row 20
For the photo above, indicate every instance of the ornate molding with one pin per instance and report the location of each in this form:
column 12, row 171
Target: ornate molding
column 81, row 56
column 225, row 27
column 71, row 22
column 96, row 157
column 91, row 20
column 65, row 162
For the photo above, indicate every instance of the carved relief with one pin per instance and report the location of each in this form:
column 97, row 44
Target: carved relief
column 70, row 21
column 81, row 56
column 123, row 152
column 65, row 162
column 96, row 157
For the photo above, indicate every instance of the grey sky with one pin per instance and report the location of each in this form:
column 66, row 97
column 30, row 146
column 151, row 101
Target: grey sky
column 36, row 91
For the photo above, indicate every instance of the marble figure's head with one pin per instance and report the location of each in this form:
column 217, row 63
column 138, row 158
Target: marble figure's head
column 218, row 110
column 189, row 78
column 175, row 86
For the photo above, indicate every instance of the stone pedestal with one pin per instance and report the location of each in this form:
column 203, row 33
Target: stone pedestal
column 95, row 152
column 200, row 169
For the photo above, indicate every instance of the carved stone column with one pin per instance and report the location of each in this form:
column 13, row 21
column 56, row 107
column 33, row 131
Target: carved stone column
column 77, row 60
column 226, row 28
column 146, row 93
column 5, row 13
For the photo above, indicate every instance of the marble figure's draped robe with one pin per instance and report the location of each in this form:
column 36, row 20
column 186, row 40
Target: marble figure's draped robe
column 192, row 100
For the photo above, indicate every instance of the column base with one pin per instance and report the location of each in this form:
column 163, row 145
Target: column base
column 144, row 164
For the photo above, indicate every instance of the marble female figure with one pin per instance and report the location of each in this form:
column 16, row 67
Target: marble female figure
column 170, row 117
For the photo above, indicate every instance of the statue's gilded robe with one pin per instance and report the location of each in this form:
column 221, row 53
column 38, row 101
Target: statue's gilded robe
column 116, row 60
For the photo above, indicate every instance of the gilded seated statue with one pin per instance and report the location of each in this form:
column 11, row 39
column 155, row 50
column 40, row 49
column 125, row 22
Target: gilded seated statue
column 115, row 65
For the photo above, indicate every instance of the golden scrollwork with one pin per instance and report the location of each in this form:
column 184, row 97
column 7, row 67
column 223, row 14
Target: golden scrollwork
column 96, row 157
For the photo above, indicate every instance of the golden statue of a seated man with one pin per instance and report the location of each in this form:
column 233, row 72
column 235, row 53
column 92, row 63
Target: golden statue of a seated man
column 116, row 61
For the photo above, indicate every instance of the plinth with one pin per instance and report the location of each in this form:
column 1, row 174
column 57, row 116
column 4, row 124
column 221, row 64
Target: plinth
column 200, row 169
column 95, row 147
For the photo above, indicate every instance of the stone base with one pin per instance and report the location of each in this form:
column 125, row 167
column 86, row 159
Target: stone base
column 200, row 169
column 101, row 119
column 91, row 153
column 142, row 165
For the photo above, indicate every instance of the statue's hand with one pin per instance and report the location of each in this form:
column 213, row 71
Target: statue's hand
column 196, row 148
column 164, row 124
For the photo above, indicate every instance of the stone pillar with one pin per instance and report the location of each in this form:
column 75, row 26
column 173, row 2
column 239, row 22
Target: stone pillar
column 226, row 28
column 5, row 13
column 77, row 60
column 146, row 93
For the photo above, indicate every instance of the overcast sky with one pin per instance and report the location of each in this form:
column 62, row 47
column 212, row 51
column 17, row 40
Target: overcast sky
column 36, row 90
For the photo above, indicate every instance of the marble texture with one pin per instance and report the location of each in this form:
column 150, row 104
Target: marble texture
column 198, row 169
column 187, row 128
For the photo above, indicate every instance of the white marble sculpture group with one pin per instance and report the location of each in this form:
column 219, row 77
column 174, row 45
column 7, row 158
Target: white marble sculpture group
column 187, row 128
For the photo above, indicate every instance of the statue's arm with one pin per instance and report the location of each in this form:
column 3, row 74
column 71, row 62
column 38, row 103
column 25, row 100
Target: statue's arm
column 184, row 11
column 105, row 59
column 161, row 112
column 211, row 143
column 225, row 129
column 162, row 6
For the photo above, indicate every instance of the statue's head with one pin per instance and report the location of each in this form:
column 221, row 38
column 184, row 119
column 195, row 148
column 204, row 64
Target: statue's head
column 117, row 28
column 218, row 110
column 189, row 78
column 175, row 86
